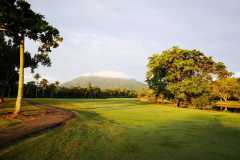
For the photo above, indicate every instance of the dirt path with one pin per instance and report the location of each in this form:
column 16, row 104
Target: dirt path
column 47, row 117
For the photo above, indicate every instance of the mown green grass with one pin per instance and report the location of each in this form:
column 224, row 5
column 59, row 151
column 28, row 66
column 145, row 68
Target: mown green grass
column 125, row 129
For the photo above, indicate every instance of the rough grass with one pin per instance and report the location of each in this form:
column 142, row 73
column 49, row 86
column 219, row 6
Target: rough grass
column 125, row 129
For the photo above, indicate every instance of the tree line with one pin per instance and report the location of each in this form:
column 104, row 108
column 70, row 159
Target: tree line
column 41, row 88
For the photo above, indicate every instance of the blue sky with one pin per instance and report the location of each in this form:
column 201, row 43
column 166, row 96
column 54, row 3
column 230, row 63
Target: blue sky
column 115, row 38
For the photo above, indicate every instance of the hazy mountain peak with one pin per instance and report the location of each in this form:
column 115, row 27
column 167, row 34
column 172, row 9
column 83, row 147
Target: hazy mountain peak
column 105, row 82
column 108, row 74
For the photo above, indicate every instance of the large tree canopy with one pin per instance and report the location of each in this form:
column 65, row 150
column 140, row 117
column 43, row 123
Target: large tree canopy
column 17, row 19
column 185, row 74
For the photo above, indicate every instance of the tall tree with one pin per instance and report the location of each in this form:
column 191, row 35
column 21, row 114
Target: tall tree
column 36, row 77
column 186, row 74
column 43, row 85
column 57, row 85
column 20, row 21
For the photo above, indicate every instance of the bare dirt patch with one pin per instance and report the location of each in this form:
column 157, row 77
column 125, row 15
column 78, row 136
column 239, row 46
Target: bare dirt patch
column 32, row 122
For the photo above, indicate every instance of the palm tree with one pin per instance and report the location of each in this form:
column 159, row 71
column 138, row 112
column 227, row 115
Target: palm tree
column 57, row 83
column 43, row 84
column 37, row 77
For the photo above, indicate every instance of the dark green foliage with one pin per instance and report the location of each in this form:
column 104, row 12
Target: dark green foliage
column 16, row 16
column 18, row 20
column 95, row 92
column 44, row 89
column 9, row 62
column 201, row 101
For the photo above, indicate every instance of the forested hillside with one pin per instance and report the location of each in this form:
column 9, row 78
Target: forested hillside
column 105, row 83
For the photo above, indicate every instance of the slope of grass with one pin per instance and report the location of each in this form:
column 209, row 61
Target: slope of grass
column 125, row 129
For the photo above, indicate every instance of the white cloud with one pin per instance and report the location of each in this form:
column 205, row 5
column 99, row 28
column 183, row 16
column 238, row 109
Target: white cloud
column 120, row 35
column 105, row 73
column 30, row 76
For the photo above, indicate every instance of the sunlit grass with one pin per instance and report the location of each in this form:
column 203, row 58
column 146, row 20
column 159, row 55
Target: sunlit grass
column 124, row 129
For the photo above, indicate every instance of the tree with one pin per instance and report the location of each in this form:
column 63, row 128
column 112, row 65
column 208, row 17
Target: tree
column 36, row 77
column 43, row 85
column 20, row 21
column 57, row 86
column 7, row 71
column 30, row 89
column 9, row 62
column 226, row 88
column 147, row 95
column 182, row 74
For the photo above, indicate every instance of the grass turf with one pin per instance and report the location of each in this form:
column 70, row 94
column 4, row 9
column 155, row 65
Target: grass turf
column 125, row 129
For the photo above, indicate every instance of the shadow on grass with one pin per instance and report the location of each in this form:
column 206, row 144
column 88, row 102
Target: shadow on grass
column 90, row 136
column 183, row 140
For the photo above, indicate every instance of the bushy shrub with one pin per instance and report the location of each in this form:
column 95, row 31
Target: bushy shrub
column 147, row 95
column 201, row 102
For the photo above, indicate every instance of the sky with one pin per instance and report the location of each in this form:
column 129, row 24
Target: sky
column 115, row 37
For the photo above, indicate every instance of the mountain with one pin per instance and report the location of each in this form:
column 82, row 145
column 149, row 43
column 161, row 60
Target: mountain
column 104, row 83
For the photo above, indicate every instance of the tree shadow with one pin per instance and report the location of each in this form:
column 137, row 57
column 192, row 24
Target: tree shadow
column 183, row 140
column 91, row 136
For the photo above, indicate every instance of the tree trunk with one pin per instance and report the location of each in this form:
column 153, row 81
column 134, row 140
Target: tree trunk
column 178, row 103
column 225, row 99
column 43, row 92
column 2, row 93
column 1, row 99
column 36, row 95
column 9, row 90
column 21, row 78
